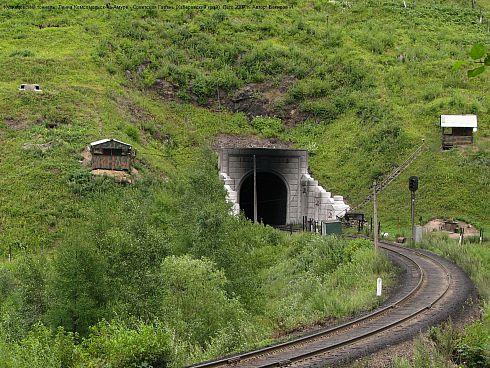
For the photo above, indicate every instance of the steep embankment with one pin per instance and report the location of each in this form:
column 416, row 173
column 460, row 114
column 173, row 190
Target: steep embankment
column 357, row 84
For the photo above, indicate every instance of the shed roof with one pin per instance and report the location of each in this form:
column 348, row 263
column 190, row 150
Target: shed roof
column 458, row 121
column 96, row 143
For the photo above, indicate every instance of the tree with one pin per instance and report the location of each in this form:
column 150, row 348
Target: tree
column 193, row 299
column 77, row 287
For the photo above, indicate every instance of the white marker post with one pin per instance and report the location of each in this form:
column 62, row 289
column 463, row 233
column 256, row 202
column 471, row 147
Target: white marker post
column 379, row 285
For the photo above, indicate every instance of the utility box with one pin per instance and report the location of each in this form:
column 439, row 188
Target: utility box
column 331, row 227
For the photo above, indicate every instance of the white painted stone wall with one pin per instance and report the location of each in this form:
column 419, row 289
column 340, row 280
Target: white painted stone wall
column 305, row 196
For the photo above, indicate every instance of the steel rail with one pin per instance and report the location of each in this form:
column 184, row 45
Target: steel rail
column 321, row 350
column 323, row 333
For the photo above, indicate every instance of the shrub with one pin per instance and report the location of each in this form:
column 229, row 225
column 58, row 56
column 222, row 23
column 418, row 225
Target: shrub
column 41, row 348
column 132, row 132
column 133, row 345
column 22, row 53
column 194, row 300
column 82, row 183
column 354, row 246
column 77, row 286
column 267, row 126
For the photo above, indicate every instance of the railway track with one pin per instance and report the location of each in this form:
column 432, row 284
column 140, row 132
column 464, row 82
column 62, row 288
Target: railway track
column 433, row 290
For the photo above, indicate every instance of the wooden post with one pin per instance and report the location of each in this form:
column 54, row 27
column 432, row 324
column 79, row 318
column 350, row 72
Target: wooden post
column 375, row 215
column 10, row 253
column 255, row 190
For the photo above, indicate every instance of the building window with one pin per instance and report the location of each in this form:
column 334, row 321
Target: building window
column 112, row 152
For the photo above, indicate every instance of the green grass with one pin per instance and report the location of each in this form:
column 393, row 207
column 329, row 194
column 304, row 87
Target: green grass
column 367, row 111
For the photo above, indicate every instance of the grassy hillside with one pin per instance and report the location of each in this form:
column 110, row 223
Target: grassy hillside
column 358, row 84
column 360, row 109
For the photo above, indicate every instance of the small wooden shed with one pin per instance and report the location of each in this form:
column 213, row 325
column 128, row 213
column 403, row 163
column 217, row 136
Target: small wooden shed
column 457, row 130
column 111, row 154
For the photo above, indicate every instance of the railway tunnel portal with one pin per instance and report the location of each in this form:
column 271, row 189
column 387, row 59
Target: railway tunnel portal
column 285, row 191
column 272, row 198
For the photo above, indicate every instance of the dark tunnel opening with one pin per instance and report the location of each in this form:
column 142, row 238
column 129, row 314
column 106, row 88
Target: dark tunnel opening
column 271, row 198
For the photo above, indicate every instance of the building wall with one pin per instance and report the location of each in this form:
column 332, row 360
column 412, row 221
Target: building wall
column 305, row 196
column 111, row 162
column 102, row 159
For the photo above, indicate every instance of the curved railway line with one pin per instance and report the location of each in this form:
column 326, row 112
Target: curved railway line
column 433, row 290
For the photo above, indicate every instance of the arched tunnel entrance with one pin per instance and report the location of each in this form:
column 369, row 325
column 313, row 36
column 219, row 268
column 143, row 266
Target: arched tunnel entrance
column 272, row 198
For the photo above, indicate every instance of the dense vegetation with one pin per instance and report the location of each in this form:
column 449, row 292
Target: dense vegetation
column 175, row 283
column 109, row 275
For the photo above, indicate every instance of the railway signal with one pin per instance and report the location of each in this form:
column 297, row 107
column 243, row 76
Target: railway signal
column 413, row 185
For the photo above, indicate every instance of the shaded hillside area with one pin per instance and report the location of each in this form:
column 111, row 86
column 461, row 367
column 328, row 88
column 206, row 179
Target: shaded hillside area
column 357, row 84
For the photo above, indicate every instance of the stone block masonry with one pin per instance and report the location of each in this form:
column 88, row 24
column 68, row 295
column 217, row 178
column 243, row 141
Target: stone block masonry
column 285, row 190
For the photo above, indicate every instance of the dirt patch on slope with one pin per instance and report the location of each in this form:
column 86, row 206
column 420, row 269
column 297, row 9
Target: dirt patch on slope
column 247, row 141
column 15, row 124
column 253, row 99
column 451, row 228
column 132, row 110
column 123, row 177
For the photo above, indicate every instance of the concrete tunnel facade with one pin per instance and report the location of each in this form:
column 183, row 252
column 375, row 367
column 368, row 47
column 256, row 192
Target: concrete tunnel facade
column 285, row 190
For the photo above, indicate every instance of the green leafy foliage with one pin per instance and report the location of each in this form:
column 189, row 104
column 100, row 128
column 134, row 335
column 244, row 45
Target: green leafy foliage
column 41, row 348
column 134, row 345
column 268, row 127
column 77, row 291
column 370, row 81
column 480, row 55
column 194, row 300
column 478, row 51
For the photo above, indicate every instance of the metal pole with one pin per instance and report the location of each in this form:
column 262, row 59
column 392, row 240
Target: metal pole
column 412, row 216
column 255, row 190
column 375, row 215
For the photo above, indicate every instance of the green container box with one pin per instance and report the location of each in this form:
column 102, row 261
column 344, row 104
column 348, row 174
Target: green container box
column 332, row 227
